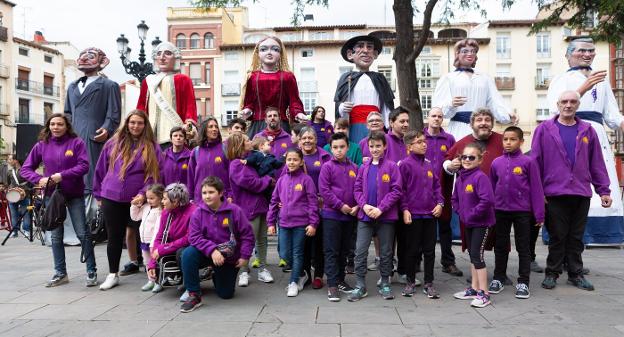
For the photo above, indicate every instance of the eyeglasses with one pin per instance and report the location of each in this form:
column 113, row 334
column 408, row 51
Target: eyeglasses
column 468, row 158
column 374, row 120
column 467, row 51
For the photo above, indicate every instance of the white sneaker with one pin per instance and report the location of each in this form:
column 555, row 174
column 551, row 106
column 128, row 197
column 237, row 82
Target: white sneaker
column 265, row 276
column 243, row 279
column 148, row 286
column 302, row 280
column 292, row 290
column 112, row 280
column 184, row 296
column 157, row 288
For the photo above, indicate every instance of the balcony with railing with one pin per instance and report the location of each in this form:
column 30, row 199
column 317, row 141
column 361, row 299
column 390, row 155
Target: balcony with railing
column 307, row 86
column 37, row 87
column 505, row 83
column 542, row 83
column 230, row 89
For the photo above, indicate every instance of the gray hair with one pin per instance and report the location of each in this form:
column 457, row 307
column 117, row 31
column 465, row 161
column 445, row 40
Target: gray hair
column 178, row 192
column 170, row 47
column 576, row 94
column 572, row 44
column 374, row 113
column 307, row 129
column 481, row 112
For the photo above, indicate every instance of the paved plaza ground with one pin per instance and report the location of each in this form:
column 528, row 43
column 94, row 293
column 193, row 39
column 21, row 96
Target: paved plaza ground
column 27, row 308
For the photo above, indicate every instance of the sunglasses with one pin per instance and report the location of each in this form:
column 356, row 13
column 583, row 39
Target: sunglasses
column 468, row 158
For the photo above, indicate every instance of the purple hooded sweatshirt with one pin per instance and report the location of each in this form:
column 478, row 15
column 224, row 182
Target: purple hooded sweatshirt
column 395, row 148
column 421, row 187
column 517, row 184
column 473, row 198
column 178, row 231
column 65, row 155
column 109, row 185
column 437, row 147
column 336, row 183
column 208, row 160
column 323, row 131
column 174, row 167
column 280, row 144
column 248, row 189
column 389, row 189
column 209, row 228
column 297, row 194
column 559, row 176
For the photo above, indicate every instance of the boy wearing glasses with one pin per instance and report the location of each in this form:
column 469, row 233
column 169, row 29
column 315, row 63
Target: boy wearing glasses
column 519, row 201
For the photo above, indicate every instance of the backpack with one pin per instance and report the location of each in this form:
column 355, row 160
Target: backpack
column 55, row 212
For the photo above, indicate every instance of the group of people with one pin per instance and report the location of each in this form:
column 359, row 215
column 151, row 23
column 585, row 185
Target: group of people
column 326, row 190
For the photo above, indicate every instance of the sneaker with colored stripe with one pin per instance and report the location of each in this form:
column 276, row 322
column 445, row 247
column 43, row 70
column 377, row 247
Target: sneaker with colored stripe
column 193, row 302
column 467, row 294
column 482, row 300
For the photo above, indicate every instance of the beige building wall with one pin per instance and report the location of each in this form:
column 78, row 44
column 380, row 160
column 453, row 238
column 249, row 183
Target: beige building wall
column 7, row 84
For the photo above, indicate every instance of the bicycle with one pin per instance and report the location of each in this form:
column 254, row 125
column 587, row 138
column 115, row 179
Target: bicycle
column 36, row 217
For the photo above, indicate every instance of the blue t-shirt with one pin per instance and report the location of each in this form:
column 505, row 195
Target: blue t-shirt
column 568, row 136
column 371, row 182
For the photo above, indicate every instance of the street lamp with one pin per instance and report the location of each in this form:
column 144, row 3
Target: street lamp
column 140, row 69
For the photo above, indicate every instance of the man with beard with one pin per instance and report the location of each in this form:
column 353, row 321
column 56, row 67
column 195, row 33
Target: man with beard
column 280, row 140
column 360, row 92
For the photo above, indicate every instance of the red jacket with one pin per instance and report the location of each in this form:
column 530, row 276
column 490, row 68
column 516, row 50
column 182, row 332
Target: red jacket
column 186, row 107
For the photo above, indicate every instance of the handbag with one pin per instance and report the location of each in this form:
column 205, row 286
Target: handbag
column 55, row 211
column 228, row 248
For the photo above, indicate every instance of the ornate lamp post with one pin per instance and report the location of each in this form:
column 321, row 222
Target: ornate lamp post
column 140, row 69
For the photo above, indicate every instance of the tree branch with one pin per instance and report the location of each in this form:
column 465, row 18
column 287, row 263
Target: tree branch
column 422, row 39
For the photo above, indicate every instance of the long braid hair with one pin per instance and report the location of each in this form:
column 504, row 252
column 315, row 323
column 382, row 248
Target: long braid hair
column 125, row 147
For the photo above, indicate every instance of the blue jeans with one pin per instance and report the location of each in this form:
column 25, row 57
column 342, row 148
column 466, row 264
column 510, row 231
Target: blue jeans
column 291, row 243
column 17, row 209
column 223, row 277
column 76, row 207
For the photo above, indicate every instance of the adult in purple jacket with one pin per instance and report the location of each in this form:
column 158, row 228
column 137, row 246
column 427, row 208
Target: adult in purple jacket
column 280, row 139
column 215, row 223
column 323, row 127
column 570, row 160
column 128, row 164
column 64, row 157
column 249, row 191
column 208, row 159
column 175, row 159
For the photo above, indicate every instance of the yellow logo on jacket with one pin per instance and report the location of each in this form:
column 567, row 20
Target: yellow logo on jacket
column 298, row 187
column 517, row 170
column 185, row 166
column 585, row 140
column 469, row 188
column 69, row 153
column 385, row 178
column 317, row 163
column 351, row 173
column 443, row 148
column 218, row 160
column 284, row 145
column 429, row 174
column 323, row 129
column 226, row 222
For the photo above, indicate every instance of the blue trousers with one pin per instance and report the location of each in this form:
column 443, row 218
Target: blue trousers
column 223, row 277
column 291, row 244
column 76, row 207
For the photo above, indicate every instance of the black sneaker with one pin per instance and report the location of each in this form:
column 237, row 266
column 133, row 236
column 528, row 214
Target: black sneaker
column 522, row 291
column 581, row 283
column 453, row 270
column 344, row 287
column 333, row 295
column 129, row 269
column 496, row 287
column 57, row 280
column 550, row 282
column 287, row 268
column 193, row 302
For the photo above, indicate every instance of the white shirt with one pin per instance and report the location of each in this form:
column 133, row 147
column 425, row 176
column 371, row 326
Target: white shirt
column 480, row 90
column 82, row 87
column 364, row 93
column 604, row 101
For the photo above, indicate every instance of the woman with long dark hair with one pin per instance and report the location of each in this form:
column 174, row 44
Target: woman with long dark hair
column 323, row 127
column 64, row 157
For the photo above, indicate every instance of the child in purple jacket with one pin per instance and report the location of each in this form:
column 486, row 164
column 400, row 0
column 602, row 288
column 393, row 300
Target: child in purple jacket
column 295, row 201
column 421, row 204
column 220, row 236
column 377, row 191
column 175, row 159
column 473, row 200
column 519, row 201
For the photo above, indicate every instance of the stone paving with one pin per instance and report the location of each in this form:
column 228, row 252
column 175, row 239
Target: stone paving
column 28, row 308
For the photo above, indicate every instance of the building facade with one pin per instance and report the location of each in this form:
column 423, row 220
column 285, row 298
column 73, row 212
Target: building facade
column 7, row 131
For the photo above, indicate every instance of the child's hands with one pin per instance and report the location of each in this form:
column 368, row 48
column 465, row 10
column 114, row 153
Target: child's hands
column 354, row 210
column 310, row 231
column 138, row 200
column 437, row 211
column 375, row 213
column 367, row 210
column 345, row 209
column 407, row 217
column 271, row 230
column 217, row 258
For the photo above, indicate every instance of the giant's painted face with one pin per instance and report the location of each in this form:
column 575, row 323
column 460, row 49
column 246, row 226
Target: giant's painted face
column 269, row 52
column 363, row 54
column 166, row 57
column 582, row 55
column 92, row 59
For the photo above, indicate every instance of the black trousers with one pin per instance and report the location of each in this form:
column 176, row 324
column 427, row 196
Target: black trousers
column 401, row 241
column 116, row 218
column 313, row 254
column 534, row 235
column 475, row 238
column 446, row 243
column 336, row 243
column 567, row 217
column 522, row 222
column 419, row 239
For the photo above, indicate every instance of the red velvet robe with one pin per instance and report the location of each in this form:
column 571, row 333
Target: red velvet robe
column 186, row 107
column 269, row 86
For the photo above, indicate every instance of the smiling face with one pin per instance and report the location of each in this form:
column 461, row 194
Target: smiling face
column 401, row 124
column 307, row 142
column 362, row 55
column 293, row 161
column 91, row 60
column 374, row 122
column 376, row 148
column 582, row 55
column 136, row 125
column 269, row 52
column 466, row 56
column 471, row 158
column 482, row 126
column 58, row 127
column 212, row 130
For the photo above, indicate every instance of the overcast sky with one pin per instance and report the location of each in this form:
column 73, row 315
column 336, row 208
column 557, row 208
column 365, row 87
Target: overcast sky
column 99, row 22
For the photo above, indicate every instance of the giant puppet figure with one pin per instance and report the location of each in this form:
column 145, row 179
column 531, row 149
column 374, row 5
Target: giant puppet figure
column 461, row 92
column 168, row 96
column 93, row 104
column 270, row 84
column 598, row 107
column 362, row 91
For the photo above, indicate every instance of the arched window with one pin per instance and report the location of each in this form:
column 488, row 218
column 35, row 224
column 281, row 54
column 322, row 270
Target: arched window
column 208, row 41
column 181, row 41
column 194, row 41
column 452, row 33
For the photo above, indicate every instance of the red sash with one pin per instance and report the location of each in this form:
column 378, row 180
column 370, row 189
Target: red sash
column 359, row 113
